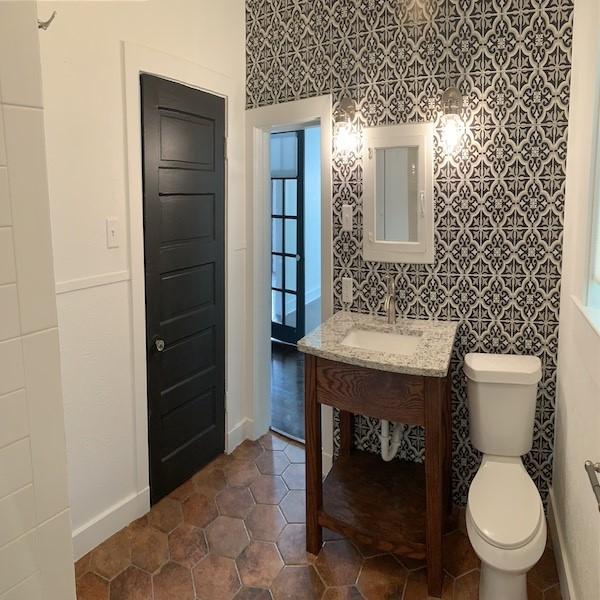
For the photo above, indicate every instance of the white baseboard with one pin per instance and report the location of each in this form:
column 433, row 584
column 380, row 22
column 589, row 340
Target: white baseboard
column 100, row 528
column 312, row 295
column 240, row 432
column 559, row 544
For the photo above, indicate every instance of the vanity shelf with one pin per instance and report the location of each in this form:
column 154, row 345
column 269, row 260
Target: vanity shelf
column 377, row 503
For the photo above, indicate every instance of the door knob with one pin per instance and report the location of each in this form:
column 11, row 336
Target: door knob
column 160, row 344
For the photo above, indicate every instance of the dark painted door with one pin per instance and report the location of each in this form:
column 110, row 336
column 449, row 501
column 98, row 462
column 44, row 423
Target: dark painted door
column 184, row 218
column 287, row 236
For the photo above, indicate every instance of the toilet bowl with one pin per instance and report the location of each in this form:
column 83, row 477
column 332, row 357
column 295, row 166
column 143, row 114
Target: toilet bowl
column 505, row 515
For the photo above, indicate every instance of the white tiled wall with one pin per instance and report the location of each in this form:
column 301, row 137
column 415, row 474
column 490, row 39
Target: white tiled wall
column 36, row 556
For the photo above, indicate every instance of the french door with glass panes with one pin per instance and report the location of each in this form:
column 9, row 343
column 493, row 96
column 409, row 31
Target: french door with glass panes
column 287, row 236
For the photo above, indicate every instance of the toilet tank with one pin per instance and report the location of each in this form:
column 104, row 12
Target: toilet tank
column 502, row 391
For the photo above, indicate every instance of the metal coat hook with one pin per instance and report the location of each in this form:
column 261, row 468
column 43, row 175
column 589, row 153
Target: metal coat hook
column 45, row 24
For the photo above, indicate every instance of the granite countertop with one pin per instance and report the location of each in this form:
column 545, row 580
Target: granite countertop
column 431, row 357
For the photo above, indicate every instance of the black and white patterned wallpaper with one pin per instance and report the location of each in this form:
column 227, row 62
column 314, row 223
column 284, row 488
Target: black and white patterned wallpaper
column 500, row 195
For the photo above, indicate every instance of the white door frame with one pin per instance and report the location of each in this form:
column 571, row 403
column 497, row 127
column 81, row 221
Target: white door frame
column 260, row 122
column 137, row 60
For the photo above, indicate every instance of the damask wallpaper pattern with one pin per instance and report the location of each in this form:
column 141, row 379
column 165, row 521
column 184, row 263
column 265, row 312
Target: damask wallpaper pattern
column 499, row 196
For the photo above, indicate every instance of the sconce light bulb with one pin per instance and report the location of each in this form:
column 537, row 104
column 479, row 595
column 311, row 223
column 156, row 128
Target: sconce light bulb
column 452, row 131
column 346, row 138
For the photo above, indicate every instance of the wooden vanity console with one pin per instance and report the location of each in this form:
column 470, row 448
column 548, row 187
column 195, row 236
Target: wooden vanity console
column 399, row 507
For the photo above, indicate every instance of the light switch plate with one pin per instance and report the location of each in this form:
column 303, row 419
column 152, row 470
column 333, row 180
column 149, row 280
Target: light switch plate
column 112, row 232
column 347, row 291
column 347, row 217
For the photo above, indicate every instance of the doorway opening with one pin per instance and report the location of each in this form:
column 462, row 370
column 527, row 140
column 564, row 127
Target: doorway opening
column 295, row 182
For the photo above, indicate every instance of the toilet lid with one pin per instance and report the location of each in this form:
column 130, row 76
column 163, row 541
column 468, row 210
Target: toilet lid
column 504, row 503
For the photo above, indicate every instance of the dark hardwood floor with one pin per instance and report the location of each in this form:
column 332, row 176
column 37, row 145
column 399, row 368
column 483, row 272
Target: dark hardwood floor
column 287, row 390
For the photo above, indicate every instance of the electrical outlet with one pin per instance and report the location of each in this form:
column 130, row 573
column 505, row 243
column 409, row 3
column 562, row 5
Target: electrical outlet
column 112, row 232
column 347, row 291
column 347, row 217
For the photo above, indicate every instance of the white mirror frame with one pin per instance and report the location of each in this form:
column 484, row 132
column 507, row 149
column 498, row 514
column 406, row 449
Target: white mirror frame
column 419, row 135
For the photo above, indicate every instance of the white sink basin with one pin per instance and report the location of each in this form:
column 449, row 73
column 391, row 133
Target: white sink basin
column 382, row 341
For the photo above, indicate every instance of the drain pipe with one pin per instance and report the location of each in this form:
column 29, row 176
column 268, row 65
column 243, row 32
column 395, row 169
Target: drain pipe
column 389, row 447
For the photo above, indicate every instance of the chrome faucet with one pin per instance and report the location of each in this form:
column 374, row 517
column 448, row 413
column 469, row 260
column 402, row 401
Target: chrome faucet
column 389, row 304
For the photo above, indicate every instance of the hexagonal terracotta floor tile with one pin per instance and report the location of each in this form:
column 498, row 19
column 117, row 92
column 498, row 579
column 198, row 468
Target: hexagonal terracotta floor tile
column 165, row 515
column 149, row 549
column 411, row 564
column 253, row 594
column 219, row 462
column 368, row 551
column 293, row 506
column 92, row 587
column 459, row 556
column 416, row 586
column 295, row 453
column 338, row 563
column 234, row 502
column 131, row 584
column 272, row 463
column 295, row 477
column 269, row 489
column 544, row 575
column 553, row 593
column 173, row 582
column 271, row 441
column 381, row 577
column 344, row 593
column 241, row 473
column 247, row 450
column 467, row 586
column 227, row 536
column 187, row 544
column 112, row 556
column 209, row 481
column 297, row 583
column 265, row 522
column 184, row 491
column 292, row 544
column 137, row 525
column 83, row 565
column 199, row 510
column 259, row 564
column 216, row 578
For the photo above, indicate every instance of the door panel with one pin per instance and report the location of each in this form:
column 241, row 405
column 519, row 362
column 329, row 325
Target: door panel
column 184, row 218
column 188, row 217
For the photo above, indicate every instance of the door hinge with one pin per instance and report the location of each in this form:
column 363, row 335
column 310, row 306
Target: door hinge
column 225, row 148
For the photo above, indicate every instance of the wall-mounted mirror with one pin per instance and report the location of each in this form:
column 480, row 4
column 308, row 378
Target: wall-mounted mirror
column 398, row 193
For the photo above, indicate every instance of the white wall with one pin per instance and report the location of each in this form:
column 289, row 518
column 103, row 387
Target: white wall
column 83, row 76
column 575, row 513
column 36, row 555
column 312, row 215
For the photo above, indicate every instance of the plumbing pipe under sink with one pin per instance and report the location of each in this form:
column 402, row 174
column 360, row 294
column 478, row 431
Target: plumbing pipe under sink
column 389, row 447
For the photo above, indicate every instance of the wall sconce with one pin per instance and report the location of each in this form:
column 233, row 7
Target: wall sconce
column 452, row 125
column 345, row 132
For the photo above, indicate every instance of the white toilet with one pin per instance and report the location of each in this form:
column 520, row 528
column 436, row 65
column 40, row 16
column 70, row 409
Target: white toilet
column 505, row 514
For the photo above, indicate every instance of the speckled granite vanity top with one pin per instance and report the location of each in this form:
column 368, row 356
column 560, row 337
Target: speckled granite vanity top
column 431, row 356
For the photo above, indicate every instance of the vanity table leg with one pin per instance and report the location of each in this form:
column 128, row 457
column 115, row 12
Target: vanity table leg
column 435, row 398
column 314, row 468
column 448, row 445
